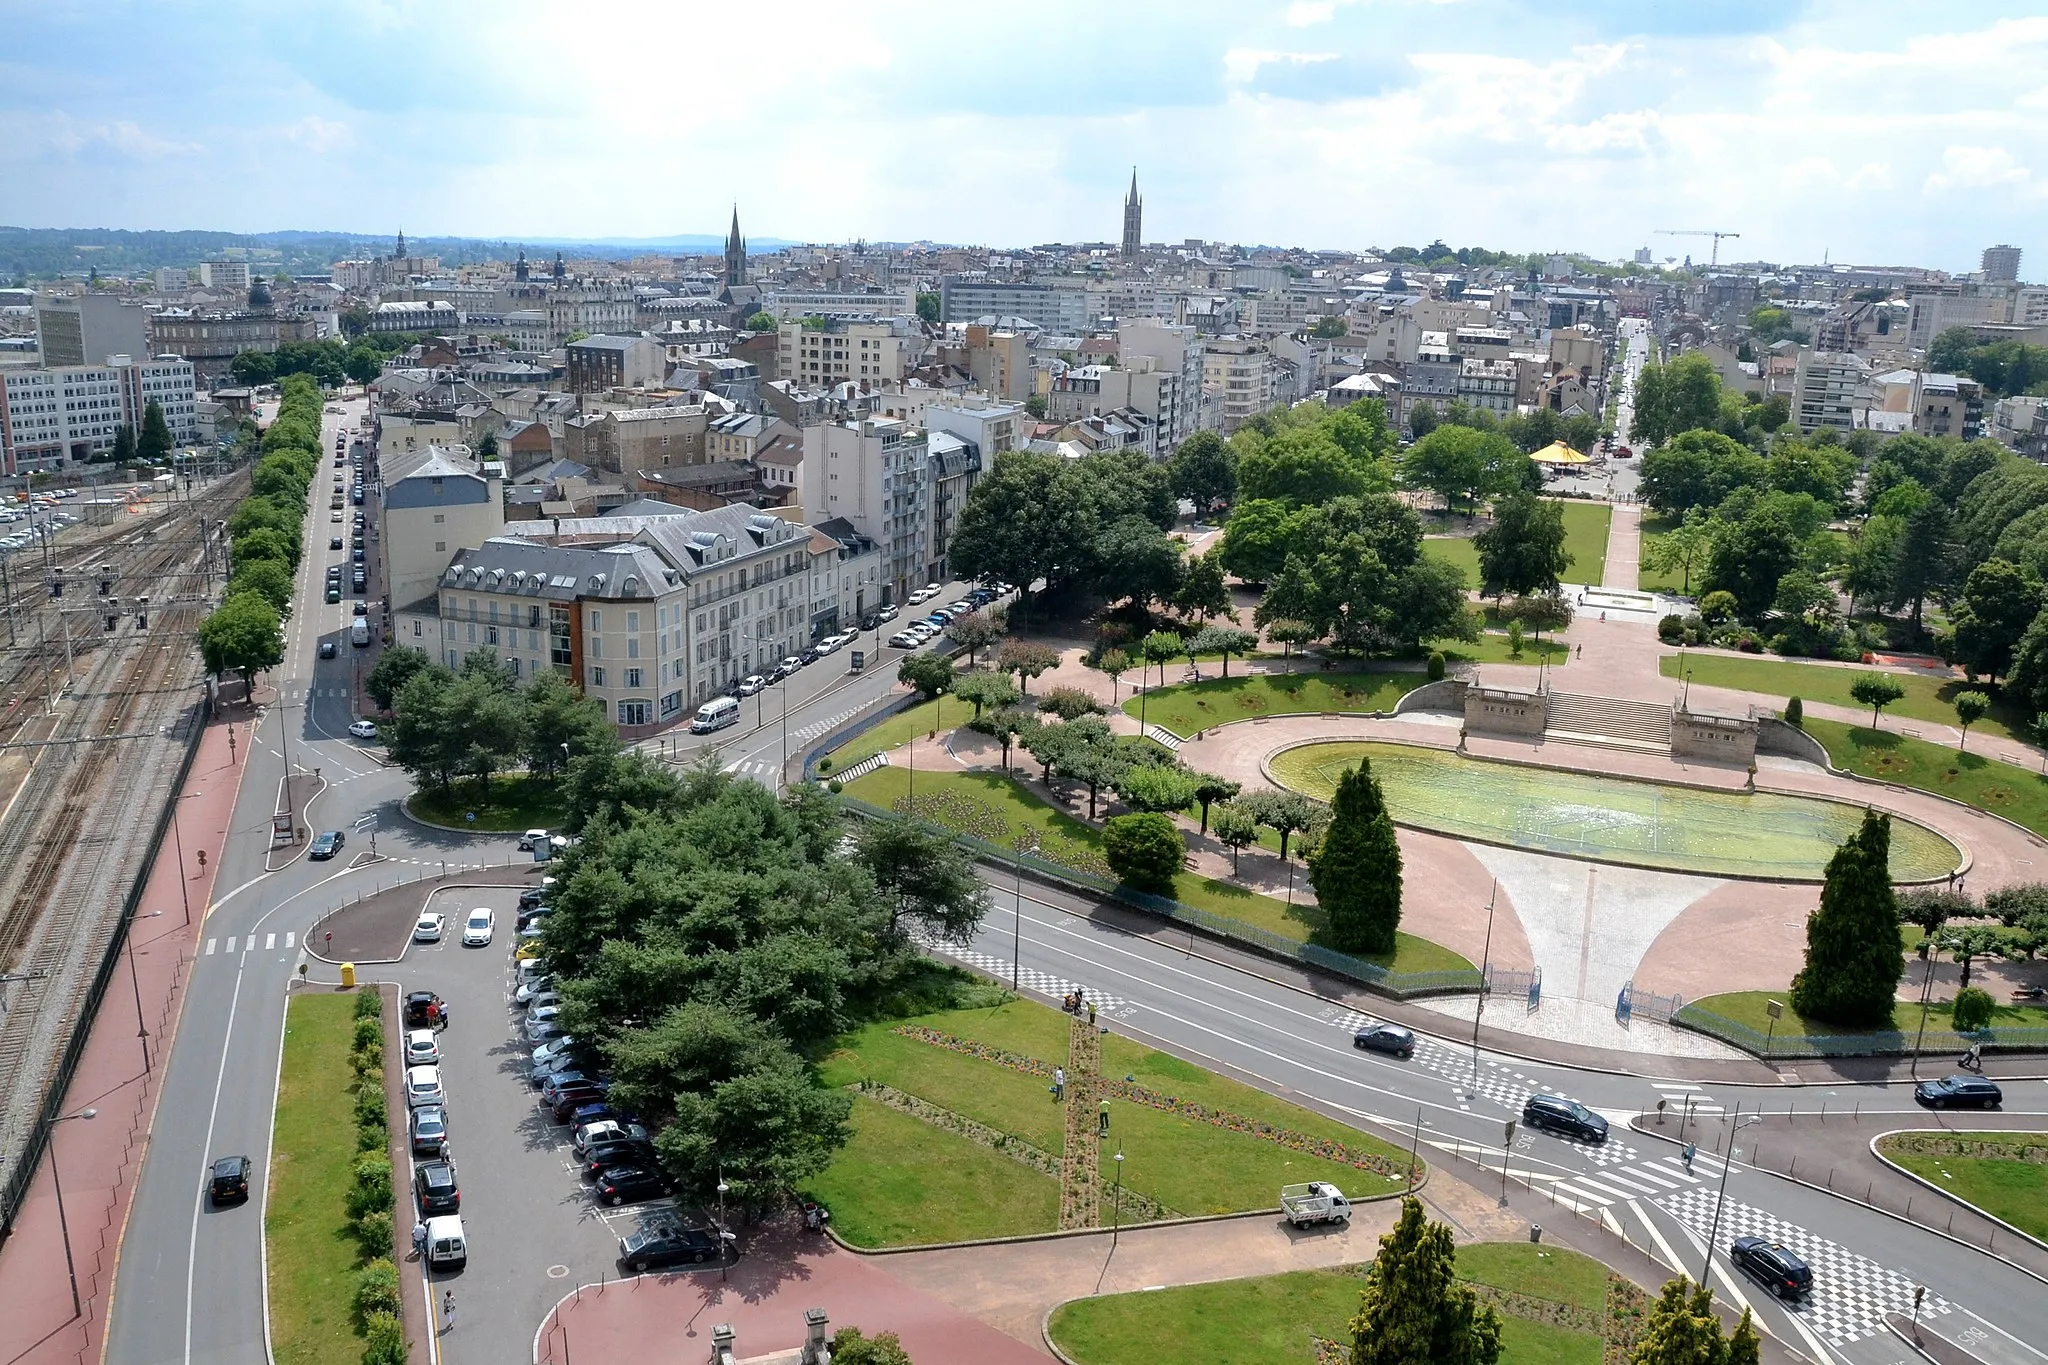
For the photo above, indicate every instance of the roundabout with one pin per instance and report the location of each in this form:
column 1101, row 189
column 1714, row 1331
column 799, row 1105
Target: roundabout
column 1638, row 822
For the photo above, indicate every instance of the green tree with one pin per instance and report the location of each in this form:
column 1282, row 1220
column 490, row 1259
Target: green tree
column 1091, row 756
column 124, row 445
column 1457, row 461
column 1290, row 633
column 245, row 634
column 1237, row 828
column 975, row 631
column 1135, row 559
column 1211, row 789
column 1225, row 640
column 1202, row 592
column 925, row 879
column 1161, row 647
column 1144, row 850
column 1285, row 813
column 1002, row 725
column 1854, row 955
column 1681, row 396
column 392, row 671
column 849, row 1346
column 1750, row 558
column 1413, row 1310
column 2000, row 600
column 1257, row 538
column 1029, row 517
column 983, row 689
column 268, row 579
column 153, row 443
column 1523, row 551
column 1970, row 942
column 1113, row 663
column 1970, row 708
column 1928, row 556
column 1069, row 703
column 1027, row 659
column 1329, row 328
column 1697, row 469
column 1356, row 871
column 1876, row 691
column 764, row 321
column 1422, row 419
column 927, row 306
column 1204, row 471
column 1683, row 548
column 928, row 674
column 1683, row 1329
column 1160, row 787
column 1304, row 468
column 1972, row 1009
column 362, row 364
column 560, row 726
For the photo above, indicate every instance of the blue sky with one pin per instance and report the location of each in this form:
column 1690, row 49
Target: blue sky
column 1872, row 131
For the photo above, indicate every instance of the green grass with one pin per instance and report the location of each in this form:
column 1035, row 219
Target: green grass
column 1270, row 1318
column 517, row 802
column 311, row 1251
column 1926, row 699
column 997, row 809
column 2016, row 793
column 944, row 713
column 1585, row 540
column 2004, row 1187
column 1492, row 648
column 1185, row 708
column 1747, row 1007
column 997, row 1096
column 1672, row 581
column 902, row 1182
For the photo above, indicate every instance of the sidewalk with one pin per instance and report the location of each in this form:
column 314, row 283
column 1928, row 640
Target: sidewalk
column 100, row 1158
column 1624, row 547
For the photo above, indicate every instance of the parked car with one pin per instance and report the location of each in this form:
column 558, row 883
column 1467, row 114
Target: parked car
column 751, row 684
column 886, row 615
column 477, row 929
column 430, row 927
column 533, row 895
column 1959, row 1092
column 589, row 1135
column 922, row 596
column 1777, row 1268
column 563, row 1078
column 1568, row 1117
column 629, row 1185
column 541, row 1018
column 539, row 985
column 327, row 650
column 422, row 1047
column 229, row 1183
column 600, row 1157
column 567, row 1101
column 418, row 1006
column 363, row 729
column 903, row 639
column 428, row 1128
column 326, row 844
column 1391, row 1039
column 666, row 1242
column 434, row 1187
column 423, row 1086
column 531, row 838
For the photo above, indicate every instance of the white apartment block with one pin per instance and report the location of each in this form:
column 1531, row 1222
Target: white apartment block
column 73, row 413
column 1165, row 362
column 823, row 352
column 1488, row 384
column 1238, row 373
column 1830, row 389
column 874, row 474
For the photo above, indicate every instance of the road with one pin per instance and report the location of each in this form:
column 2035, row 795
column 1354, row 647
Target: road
column 191, row 1283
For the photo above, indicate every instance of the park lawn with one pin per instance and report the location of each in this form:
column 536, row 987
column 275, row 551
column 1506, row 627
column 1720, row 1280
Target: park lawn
column 1013, row 1101
column 1747, row 1008
column 311, row 1252
column 1492, row 648
column 2004, row 1187
column 1986, row 783
column 902, row 1182
column 1671, row 582
column 1271, row 1318
column 1458, row 551
column 1926, row 698
column 1585, row 539
column 944, row 713
column 998, row 809
column 1185, row 708
column 517, row 802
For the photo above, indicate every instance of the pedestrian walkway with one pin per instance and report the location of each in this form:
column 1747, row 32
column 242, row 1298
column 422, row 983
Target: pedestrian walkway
column 1624, row 547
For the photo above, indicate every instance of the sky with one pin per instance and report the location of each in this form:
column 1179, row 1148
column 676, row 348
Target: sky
column 1868, row 131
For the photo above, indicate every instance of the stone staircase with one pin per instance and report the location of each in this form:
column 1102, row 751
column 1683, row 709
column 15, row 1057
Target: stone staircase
column 1607, row 723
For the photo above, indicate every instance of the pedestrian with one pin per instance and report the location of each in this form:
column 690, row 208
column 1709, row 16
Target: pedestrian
column 448, row 1312
column 1581, row 654
column 419, row 1240
column 1059, row 1084
column 1091, row 1014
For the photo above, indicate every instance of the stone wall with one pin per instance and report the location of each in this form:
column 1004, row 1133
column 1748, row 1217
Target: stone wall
column 1713, row 739
column 1502, row 711
column 1776, row 737
column 1446, row 694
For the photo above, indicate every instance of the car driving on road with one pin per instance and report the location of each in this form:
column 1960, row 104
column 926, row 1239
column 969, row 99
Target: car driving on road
column 363, row 729
column 1569, row 1118
column 1959, row 1092
column 1391, row 1039
column 229, row 1183
column 1777, row 1268
column 325, row 844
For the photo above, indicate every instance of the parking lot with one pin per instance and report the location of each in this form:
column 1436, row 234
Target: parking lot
column 533, row 1230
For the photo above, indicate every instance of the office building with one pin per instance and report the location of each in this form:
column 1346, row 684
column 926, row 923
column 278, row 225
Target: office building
column 84, row 329
column 53, row 415
column 2000, row 264
column 1064, row 311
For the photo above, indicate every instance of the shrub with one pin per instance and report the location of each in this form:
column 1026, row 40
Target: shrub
column 1068, row 703
column 370, row 1111
column 369, row 1032
column 834, row 786
column 372, row 1188
column 376, row 1290
column 1972, row 1010
column 1436, row 665
column 373, row 1233
column 1144, row 851
column 369, row 1003
column 1718, row 606
column 1670, row 628
column 384, row 1336
column 372, row 1137
column 824, row 765
column 1795, row 713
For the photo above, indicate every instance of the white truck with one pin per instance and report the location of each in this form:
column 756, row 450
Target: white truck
column 1316, row 1202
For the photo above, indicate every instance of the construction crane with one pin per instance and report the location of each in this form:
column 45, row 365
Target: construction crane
column 1715, row 257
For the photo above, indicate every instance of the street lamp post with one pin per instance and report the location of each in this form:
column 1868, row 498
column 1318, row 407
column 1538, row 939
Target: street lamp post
column 1117, row 1202
column 722, row 1188
column 178, row 841
column 1926, row 999
column 1485, row 961
column 1727, row 1160
column 135, row 979
column 64, row 1225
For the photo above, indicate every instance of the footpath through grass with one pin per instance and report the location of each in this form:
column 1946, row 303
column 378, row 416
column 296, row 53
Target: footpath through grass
column 1275, row 1318
column 1928, row 699
column 1185, row 708
column 998, row 809
column 311, row 1248
column 516, row 802
column 905, row 1180
column 2016, row 793
column 2003, row 1173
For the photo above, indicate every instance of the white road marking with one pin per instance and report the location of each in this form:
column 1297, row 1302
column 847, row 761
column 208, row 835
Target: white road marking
column 210, row 945
column 288, row 939
column 231, row 943
column 269, row 942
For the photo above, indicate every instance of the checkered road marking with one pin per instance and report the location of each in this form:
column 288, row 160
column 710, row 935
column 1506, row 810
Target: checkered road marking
column 1029, row 978
column 1851, row 1293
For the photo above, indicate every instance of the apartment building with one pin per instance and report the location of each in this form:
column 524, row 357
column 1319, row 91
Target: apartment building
column 798, row 303
column 1489, row 384
column 1164, row 362
column 846, row 577
column 1238, row 372
column 628, row 441
column 50, row 416
column 615, row 362
column 435, row 502
column 1948, row 405
column 1041, row 305
column 874, row 474
column 1829, row 389
column 822, row 351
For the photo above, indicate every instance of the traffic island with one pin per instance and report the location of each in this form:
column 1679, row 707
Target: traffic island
column 377, row 926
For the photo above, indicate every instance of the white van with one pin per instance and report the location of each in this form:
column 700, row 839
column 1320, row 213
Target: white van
column 715, row 714
column 359, row 633
column 447, row 1249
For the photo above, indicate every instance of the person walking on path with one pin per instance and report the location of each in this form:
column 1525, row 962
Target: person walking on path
column 419, row 1240
column 448, row 1312
column 1091, row 1014
column 1059, row 1084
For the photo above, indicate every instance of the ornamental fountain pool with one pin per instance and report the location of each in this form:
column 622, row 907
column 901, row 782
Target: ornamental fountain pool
column 1766, row 835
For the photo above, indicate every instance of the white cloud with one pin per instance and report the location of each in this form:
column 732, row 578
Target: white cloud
column 320, row 135
column 1241, row 64
column 1977, row 168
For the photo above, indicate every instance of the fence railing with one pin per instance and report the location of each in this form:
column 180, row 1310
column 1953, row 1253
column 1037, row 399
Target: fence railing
column 1632, row 1004
column 1208, row 921
column 1882, row 1043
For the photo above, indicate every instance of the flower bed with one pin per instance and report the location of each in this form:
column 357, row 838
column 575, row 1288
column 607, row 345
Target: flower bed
column 1570, row 1316
column 995, row 1139
column 1628, row 1310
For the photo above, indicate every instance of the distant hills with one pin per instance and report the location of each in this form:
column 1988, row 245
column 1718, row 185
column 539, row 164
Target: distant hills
column 63, row 251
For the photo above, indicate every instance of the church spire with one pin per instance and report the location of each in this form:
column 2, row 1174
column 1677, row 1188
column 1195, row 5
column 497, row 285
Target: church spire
column 1134, row 217
column 735, row 252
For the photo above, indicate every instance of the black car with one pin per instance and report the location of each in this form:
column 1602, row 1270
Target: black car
column 1391, row 1039
column 1959, row 1092
column 1777, row 1268
column 625, row 1154
column 629, row 1185
column 230, row 1183
column 666, row 1242
column 568, row 1099
column 334, row 542
column 428, row 1126
column 416, row 1006
column 1561, row 1115
column 433, row 1186
column 327, row 649
column 325, row 844
column 809, row 656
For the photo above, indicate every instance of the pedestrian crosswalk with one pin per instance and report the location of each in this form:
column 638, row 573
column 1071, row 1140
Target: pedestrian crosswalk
column 1680, row 1098
column 1028, row 978
column 752, row 767
column 237, row 942
column 830, row 723
column 1652, row 1179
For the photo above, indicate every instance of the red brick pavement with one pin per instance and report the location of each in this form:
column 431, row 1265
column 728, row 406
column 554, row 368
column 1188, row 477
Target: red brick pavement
column 100, row 1157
